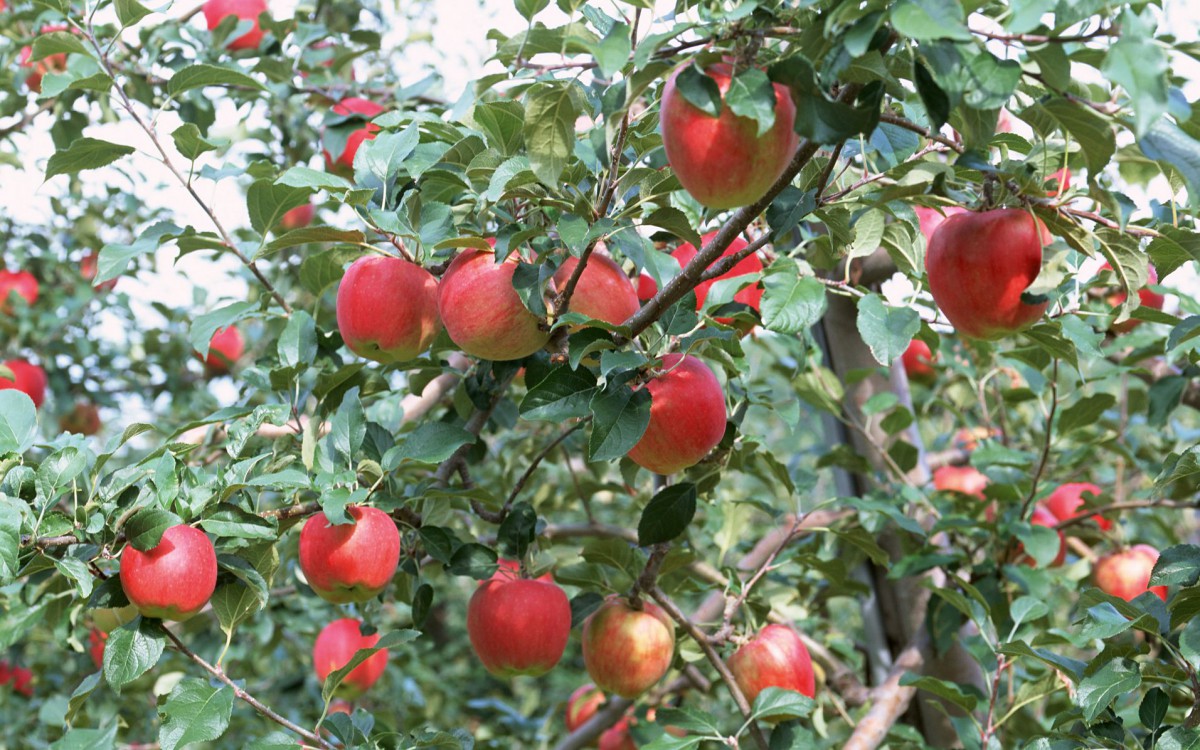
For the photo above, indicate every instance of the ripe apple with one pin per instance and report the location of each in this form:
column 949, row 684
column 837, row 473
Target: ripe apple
column 518, row 626
column 775, row 657
column 108, row 619
column 750, row 295
column 96, row 639
column 216, row 11
column 225, row 348
column 27, row 378
column 349, row 107
column 89, row 266
column 687, row 416
column 979, row 265
column 583, row 705
column 297, row 218
column 336, row 645
column 1147, row 298
column 965, row 479
column 604, row 292
column 350, row 562
column 56, row 63
column 1068, row 498
column 20, row 678
column 646, row 287
column 21, row 283
column 918, row 362
column 510, row 569
column 1060, row 183
column 83, row 419
column 481, row 310
column 617, row 737
column 929, row 219
column 387, row 309
column 1127, row 573
column 175, row 579
column 627, row 650
column 722, row 161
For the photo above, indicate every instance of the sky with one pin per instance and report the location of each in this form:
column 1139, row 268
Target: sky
column 450, row 36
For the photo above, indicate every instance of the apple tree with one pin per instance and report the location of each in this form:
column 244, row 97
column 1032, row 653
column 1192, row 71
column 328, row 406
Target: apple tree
column 718, row 374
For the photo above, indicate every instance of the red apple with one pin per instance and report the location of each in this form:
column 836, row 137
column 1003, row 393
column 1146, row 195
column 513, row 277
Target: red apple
column 979, row 265
column 604, row 292
column 965, row 479
column 89, row 266
column 775, row 657
column 216, row 11
column 349, row 107
column 96, row 639
column 583, row 705
column 225, row 348
column 56, row 63
column 83, row 419
column 27, row 378
column 1043, row 517
column 750, row 295
column 722, row 161
column 1127, row 573
column 297, row 218
column 627, row 650
column 175, row 579
column 1147, row 298
column 617, row 737
column 20, row 678
column 481, row 310
column 20, row 283
column 929, row 219
column 918, row 362
column 518, row 626
column 511, row 569
column 336, row 645
column 387, row 309
column 687, row 416
column 646, row 287
column 1068, row 498
column 350, row 562
column 1062, row 181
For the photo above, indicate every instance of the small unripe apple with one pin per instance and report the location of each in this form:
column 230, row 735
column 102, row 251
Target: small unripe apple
column 1147, row 298
column 55, row 63
column 687, row 416
column 175, row 579
column 722, row 161
column 1066, row 500
column 918, row 362
column 929, row 219
column 96, row 640
column 627, row 650
column 297, row 218
column 604, row 292
column 387, row 309
column 482, row 312
column 336, row 645
column 775, row 657
column 750, row 296
column 350, row 562
column 216, row 11
column 980, row 264
column 108, row 619
column 21, row 283
column 965, row 479
column 518, row 626
column 1127, row 573
column 583, row 705
column 89, row 266
column 27, row 378
column 83, row 419
column 225, row 348
column 349, row 107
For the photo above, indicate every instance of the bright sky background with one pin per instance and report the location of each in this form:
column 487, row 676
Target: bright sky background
column 456, row 46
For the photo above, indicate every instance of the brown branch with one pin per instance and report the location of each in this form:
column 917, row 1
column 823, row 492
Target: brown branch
column 734, row 603
column 537, row 460
column 587, row 734
column 726, row 262
column 827, row 172
column 256, row 704
column 648, row 579
column 920, row 130
column 891, row 699
column 1043, row 39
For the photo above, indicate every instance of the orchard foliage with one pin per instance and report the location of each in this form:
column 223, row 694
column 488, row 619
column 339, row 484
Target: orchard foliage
column 934, row 617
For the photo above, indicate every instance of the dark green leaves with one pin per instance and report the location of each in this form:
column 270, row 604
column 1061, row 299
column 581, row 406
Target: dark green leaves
column 191, row 143
column 699, row 90
column 818, row 118
column 267, row 202
column 145, row 529
column 668, row 514
column 937, row 104
column 1097, row 690
column 194, row 712
column 430, row 443
column 518, row 529
column 620, row 416
column 550, row 113
column 791, row 303
column 1177, row 565
column 563, row 394
column 18, row 422
column 85, row 153
column 131, row 651
column 201, row 75
column 10, row 537
column 751, row 95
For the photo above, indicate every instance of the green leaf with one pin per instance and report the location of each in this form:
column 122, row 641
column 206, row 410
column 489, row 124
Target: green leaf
column 307, row 177
column 937, row 104
column 699, row 90
column 1096, row 691
column 310, row 235
column 85, row 153
column 383, row 156
column 777, row 704
column 563, row 394
column 1164, row 141
column 550, row 114
column 886, row 330
column 676, row 222
column 620, row 416
column 431, row 443
column 114, row 258
column 191, row 143
column 993, row 81
column 18, row 422
column 145, row 529
column 194, row 712
column 752, row 95
column 1177, row 565
column 668, row 514
column 927, row 20
column 502, row 123
column 1093, row 133
column 129, row 12
column 530, row 8
column 1085, row 412
column 88, row 739
column 612, row 52
column 201, row 75
column 233, row 603
column 267, row 202
column 204, row 326
column 1154, row 708
column 386, row 641
column 58, row 42
column 1138, row 63
column 297, row 345
column 517, row 530
column 132, row 650
column 10, row 537
column 950, row 691
column 473, row 560
column 231, row 521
